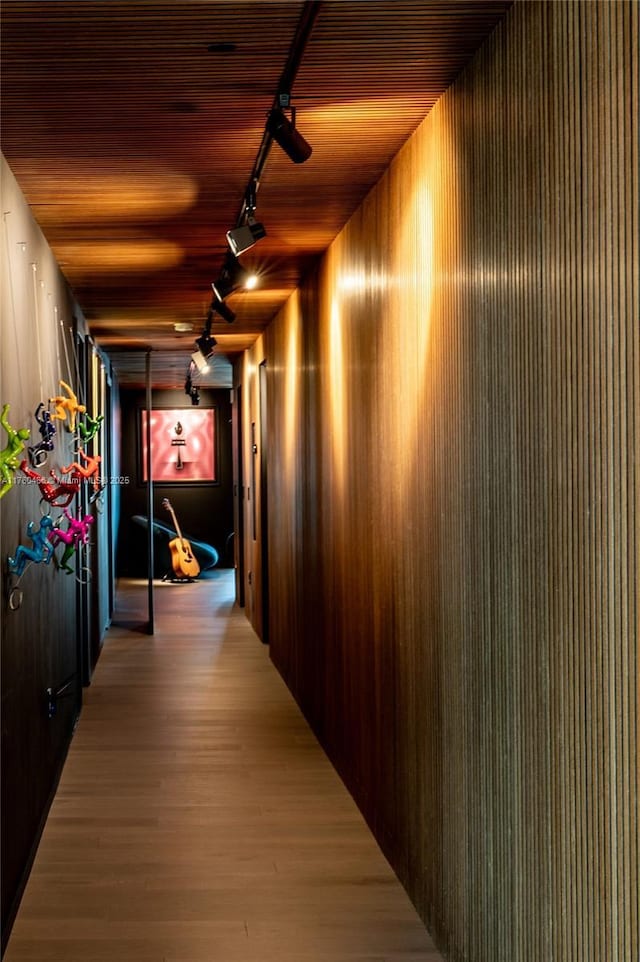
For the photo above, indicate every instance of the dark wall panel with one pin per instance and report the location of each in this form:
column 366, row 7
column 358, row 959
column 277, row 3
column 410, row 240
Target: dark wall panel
column 39, row 639
column 454, row 496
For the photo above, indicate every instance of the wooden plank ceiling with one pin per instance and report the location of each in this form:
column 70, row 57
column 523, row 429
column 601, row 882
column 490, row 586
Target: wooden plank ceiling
column 134, row 143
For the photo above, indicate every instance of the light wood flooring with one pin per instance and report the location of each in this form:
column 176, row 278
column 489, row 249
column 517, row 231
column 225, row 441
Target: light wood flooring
column 197, row 818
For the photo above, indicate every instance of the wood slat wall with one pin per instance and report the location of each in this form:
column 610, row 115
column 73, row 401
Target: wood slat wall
column 454, row 423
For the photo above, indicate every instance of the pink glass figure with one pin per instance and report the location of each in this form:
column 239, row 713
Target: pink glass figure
column 9, row 462
column 67, row 406
column 77, row 533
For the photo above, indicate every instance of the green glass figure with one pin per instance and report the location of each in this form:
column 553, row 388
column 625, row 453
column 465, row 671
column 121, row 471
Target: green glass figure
column 89, row 427
column 9, row 456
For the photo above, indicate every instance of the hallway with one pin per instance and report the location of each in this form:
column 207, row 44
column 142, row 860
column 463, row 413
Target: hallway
column 356, row 297
column 197, row 818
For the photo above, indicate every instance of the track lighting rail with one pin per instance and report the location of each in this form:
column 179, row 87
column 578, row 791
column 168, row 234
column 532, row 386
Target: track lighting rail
column 277, row 127
column 306, row 23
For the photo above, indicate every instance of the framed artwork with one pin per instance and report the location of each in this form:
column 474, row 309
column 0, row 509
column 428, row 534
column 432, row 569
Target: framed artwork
column 183, row 445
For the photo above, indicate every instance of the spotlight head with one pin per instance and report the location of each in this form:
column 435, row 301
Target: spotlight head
column 222, row 288
column 200, row 362
column 240, row 239
column 206, row 344
column 232, row 276
column 222, row 309
column 290, row 139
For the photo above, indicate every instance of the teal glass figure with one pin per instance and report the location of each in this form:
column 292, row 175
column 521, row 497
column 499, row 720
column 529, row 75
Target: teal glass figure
column 40, row 552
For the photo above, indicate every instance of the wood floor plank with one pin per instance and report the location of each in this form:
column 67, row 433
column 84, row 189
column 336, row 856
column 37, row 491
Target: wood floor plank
column 197, row 818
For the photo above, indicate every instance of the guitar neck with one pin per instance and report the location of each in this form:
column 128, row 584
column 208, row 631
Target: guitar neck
column 175, row 521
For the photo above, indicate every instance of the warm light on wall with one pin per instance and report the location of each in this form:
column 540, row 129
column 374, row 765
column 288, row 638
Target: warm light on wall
column 292, row 377
column 337, row 396
column 361, row 281
column 412, row 294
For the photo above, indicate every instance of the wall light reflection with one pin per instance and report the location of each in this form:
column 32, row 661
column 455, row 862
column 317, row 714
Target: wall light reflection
column 413, row 296
column 292, row 376
column 337, row 395
column 359, row 282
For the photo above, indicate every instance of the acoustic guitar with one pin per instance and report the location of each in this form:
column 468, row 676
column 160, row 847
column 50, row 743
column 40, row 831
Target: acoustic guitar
column 182, row 558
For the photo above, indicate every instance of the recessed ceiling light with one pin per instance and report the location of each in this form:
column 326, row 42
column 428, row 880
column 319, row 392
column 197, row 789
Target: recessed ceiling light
column 182, row 327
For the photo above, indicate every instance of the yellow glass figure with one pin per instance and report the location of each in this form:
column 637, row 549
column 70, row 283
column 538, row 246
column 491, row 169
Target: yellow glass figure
column 67, row 406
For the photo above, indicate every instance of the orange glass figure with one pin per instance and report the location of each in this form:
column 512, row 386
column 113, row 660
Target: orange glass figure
column 9, row 461
column 90, row 469
column 67, row 406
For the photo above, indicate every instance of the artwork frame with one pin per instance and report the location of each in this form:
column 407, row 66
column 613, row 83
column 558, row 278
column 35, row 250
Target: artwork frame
column 184, row 445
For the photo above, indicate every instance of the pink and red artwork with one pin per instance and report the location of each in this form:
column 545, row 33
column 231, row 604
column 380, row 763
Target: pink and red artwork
column 182, row 445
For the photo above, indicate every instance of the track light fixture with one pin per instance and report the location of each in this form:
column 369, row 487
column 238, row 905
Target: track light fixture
column 222, row 309
column 248, row 230
column 200, row 362
column 233, row 276
column 279, row 128
column 190, row 388
column 240, row 239
column 222, row 287
column 205, row 344
column 285, row 133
